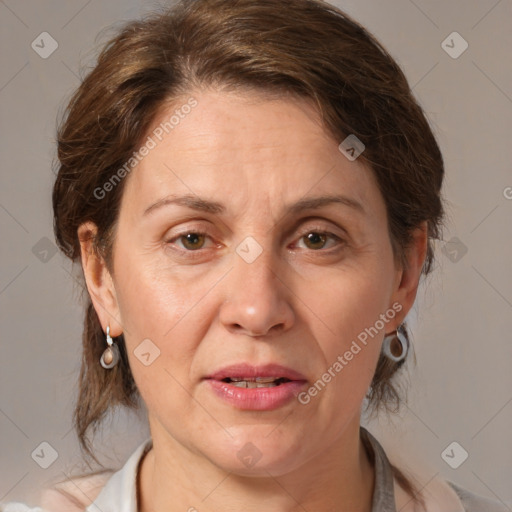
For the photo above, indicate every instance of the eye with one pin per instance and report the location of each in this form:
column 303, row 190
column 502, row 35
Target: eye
column 191, row 240
column 316, row 240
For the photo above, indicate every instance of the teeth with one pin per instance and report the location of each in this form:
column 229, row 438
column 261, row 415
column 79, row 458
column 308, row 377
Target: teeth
column 256, row 382
column 264, row 380
column 239, row 383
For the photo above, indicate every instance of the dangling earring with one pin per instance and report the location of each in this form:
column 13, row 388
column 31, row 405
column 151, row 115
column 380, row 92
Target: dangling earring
column 110, row 356
column 396, row 345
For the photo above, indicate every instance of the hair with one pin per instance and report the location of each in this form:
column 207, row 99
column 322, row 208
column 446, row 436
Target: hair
column 305, row 48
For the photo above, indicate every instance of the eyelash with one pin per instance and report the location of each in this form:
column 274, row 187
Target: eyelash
column 199, row 252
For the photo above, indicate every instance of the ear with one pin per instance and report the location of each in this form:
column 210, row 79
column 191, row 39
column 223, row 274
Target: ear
column 408, row 277
column 99, row 281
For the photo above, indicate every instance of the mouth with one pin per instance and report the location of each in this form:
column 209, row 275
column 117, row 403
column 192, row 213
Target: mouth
column 257, row 382
column 247, row 375
column 256, row 388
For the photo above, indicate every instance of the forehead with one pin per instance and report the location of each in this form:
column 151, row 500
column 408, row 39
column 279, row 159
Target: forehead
column 244, row 146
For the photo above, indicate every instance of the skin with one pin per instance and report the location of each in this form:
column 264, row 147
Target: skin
column 300, row 303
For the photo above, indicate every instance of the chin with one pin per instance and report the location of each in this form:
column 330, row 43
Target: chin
column 257, row 451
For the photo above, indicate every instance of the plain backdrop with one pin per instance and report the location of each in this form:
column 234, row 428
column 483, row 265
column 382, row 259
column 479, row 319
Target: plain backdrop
column 459, row 391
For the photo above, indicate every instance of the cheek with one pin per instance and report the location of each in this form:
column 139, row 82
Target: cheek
column 355, row 299
column 154, row 310
column 152, row 299
column 169, row 306
column 355, row 314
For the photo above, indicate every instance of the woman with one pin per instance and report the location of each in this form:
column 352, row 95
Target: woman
column 252, row 192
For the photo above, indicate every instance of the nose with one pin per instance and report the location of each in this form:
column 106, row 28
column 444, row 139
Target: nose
column 257, row 300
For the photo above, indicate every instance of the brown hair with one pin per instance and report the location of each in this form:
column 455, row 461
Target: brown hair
column 306, row 48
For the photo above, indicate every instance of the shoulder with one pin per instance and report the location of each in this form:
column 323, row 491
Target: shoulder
column 441, row 495
column 437, row 494
column 72, row 495
column 475, row 503
column 77, row 493
column 18, row 507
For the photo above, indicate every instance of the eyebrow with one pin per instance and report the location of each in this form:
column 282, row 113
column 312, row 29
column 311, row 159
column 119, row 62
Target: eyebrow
column 309, row 203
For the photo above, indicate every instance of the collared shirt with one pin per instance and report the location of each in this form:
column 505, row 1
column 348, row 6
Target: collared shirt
column 119, row 494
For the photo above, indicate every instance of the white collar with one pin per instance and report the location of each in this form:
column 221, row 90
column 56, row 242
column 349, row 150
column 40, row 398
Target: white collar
column 120, row 492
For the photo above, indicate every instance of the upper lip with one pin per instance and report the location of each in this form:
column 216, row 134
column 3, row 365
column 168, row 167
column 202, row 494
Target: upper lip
column 245, row 370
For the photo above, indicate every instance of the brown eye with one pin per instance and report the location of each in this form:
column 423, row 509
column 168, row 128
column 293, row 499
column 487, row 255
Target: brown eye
column 193, row 240
column 320, row 241
column 315, row 240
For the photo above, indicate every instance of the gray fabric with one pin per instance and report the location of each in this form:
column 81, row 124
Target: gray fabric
column 383, row 492
column 475, row 503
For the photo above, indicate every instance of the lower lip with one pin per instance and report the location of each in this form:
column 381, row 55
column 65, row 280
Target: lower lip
column 257, row 399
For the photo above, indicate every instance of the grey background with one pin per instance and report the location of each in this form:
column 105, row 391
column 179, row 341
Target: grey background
column 461, row 388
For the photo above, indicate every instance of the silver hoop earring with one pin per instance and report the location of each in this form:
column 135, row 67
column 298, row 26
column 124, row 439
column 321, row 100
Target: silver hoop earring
column 396, row 345
column 110, row 356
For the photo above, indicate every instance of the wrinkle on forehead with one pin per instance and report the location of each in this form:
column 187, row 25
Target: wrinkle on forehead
column 258, row 154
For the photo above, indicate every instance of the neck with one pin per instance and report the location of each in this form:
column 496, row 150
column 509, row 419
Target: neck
column 173, row 478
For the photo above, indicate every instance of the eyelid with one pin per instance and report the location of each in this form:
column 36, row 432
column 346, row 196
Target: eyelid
column 176, row 236
column 296, row 228
column 340, row 239
column 324, row 228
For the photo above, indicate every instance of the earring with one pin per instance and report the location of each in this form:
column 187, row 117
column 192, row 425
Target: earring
column 396, row 345
column 110, row 356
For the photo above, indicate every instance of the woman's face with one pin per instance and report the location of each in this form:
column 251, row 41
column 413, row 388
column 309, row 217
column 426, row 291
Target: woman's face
column 252, row 268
